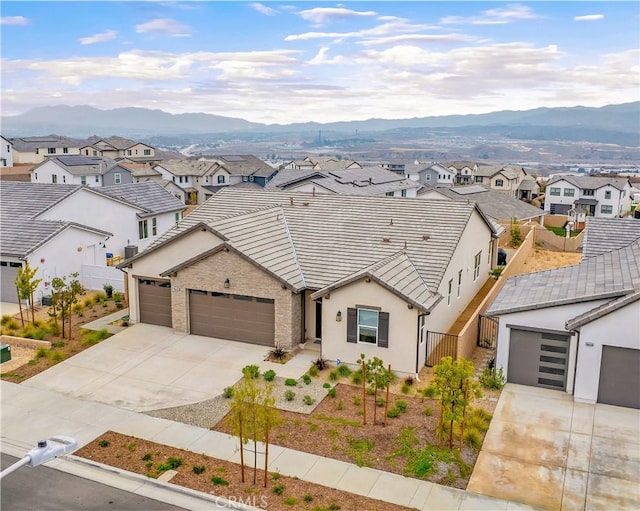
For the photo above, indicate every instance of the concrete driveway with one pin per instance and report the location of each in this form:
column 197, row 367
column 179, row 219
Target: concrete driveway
column 147, row 367
column 544, row 450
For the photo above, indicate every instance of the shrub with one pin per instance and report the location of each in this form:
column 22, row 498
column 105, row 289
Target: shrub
column 278, row 353
column 148, row 464
column 332, row 392
column 41, row 353
column 308, row 400
column 198, row 469
column 516, row 236
column 104, row 443
column 401, row 405
column 313, row 371
column 326, row 385
column 409, row 381
column 380, row 402
column 473, row 438
column 320, row 363
column 174, row 462
column 252, row 371
column 308, row 498
column 290, row 501
column 278, row 489
column 57, row 355
column 108, row 292
column 117, row 297
column 344, row 370
column 147, row 457
column 333, row 375
column 340, row 405
column 91, row 338
column 492, row 379
column 306, row 379
column 228, row 392
column 269, row 375
column 219, row 481
column 4, row 321
column 405, row 388
column 88, row 302
column 78, row 308
column 289, row 395
column 57, row 344
column 428, row 411
column 429, row 391
column 356, row 377
column 275, row 476
column 370, row 391
column 393, row 413
column 357, row 401
column 291, row 382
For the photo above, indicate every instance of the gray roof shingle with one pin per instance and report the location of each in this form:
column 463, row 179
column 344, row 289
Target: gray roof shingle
column 608, row 234
column 315, row 241
column 591, row 182
column 148, row 195
column 602, row 310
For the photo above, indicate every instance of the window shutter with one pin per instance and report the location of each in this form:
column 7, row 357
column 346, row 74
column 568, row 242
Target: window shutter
column 383, row 330
column 352, row 325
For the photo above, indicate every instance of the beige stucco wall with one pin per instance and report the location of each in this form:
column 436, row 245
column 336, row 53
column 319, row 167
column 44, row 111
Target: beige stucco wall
column 151, row 265
column 403, row 327
column 245, row 279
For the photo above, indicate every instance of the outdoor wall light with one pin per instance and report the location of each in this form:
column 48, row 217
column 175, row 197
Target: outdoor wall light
column 339, row 316
column 227, row 284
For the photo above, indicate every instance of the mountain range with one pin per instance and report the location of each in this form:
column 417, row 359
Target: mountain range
column 617, row 124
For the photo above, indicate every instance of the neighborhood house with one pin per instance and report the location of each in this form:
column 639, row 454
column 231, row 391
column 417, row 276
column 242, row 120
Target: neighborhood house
column 356, row 274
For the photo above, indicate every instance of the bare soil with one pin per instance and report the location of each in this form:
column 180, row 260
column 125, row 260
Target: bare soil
column 541, row 259
column 61, row 348
column 282, row 493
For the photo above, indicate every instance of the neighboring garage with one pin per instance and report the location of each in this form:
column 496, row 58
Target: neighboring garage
column 538, row 358
column 619, row 377
column 154, row 297
column 8, row 274
column 235, row 317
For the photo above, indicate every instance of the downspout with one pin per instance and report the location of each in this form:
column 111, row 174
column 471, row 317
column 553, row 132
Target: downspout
column 418, row 345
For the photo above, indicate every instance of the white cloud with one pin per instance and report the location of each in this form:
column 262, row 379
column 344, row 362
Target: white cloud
column 322, row 15
column 166, row 25
column 14, row 20
column 263, row 9
column 417, row 39
column 499, row 16
column 395, row 26
column 589, row 17
column 107, row 35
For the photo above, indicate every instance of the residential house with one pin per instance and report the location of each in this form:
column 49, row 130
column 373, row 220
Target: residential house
column 37, row 149
column 92, row 171
column 357, row 181
column 190, row 175
column 399, row 166
column 6, row 156
column 328, row 163
column 119, row 147
column 359, row 274
column 496, row 205
column 503, row 179
column 142, row 173
column 65, row 228
column 606, row 197
column 300, row 165
column 576, row 329
column 465, row 171
column 431, row 174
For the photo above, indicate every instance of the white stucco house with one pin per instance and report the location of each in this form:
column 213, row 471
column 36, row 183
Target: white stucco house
column 577, row 329
column 92, row 171
column 67, row 228
column 506, row 180
column 37, row 149
column 6, row 155
column 355, row 274
column 118, row 147
column 369, row 181
column 606, row 197
column 431, row 174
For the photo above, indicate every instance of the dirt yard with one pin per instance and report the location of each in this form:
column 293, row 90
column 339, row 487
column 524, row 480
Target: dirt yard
column 541, row 259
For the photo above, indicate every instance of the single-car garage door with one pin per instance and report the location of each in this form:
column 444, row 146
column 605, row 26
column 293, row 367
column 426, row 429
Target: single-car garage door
column 619, row 377
column 154, row 297
column 538, row 359
column 8, row 274
column 235, row 317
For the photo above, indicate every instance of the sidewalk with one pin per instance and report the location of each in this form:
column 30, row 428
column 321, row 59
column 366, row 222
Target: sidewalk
column 29, row 414
column 105, row 322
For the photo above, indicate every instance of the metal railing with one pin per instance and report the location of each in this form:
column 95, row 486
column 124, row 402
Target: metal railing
column 440, row 345
column 487, row 332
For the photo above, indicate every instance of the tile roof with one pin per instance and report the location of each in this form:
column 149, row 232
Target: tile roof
column 591, row 182
column 119, row 143
column 244, row 165
column 459, row 165
column 495, row 204
column 608, row 234
column 608, row 275
column 187, row 167
column 81, row 165
column 24, row 144
column 602, row 310
column 150, row 196
column 332, row 236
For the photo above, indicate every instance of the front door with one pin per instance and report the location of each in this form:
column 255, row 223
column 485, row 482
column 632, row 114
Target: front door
column 319, row 319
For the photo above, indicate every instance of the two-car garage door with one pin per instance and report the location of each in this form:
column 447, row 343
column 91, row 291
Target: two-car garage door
column 235, row 317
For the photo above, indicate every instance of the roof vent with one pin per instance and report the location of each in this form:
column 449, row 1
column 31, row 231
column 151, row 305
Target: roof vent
column 425, row 237
column 386, row 240
column 305, row 203
column 291, row 200
column 405, row 244
column 391, row 222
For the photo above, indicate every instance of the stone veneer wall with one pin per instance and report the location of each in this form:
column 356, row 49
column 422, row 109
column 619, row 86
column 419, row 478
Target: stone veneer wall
column 245, row 279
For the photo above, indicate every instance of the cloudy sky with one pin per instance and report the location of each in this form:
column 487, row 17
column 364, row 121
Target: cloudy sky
column 282, row 62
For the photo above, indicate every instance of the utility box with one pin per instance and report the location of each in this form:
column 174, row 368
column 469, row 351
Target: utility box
column 5, row 353
column 130, row 251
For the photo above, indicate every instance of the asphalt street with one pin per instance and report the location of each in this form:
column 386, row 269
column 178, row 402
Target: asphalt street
column 46, row 489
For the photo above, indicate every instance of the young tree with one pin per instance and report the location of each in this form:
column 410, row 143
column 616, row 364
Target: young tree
column 455, row 384
column 377, row 376
column 253, row 416
column 58, row 285
column 26, row 284
column 73, row 292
